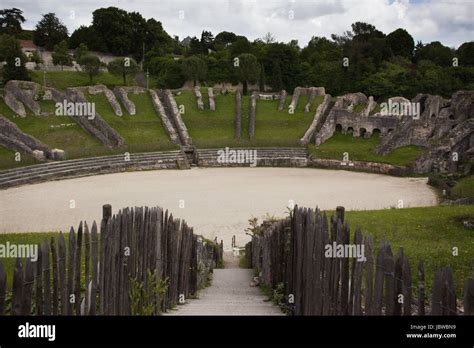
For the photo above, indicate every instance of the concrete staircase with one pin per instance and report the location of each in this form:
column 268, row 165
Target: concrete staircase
column 90, row 166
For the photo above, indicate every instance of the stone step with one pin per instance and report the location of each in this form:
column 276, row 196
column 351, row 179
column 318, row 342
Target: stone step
column 78, row 162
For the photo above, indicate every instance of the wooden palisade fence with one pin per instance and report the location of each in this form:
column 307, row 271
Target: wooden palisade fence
column 292, row 252
column 94, row 274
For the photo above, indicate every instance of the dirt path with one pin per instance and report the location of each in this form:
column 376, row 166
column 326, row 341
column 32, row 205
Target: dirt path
column 229, row 294
column 217, row 202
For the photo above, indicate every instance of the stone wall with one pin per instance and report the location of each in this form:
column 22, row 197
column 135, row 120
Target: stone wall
column 15, row 139
column 97, row 127
column 109, row 95
column 320, row 111
column 122, row 95
column 167, row 123
column 281, row 104
column 177, row 120
column 371, row 167
column 238, row 115
column 252, row 112
column 198, row 94
column 212, row 100
column 25, row 92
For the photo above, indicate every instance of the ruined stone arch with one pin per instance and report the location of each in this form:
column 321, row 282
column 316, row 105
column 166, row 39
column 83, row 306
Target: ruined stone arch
column 362, row 132
column 376, row 132
column 338, row 128
column 350, row 130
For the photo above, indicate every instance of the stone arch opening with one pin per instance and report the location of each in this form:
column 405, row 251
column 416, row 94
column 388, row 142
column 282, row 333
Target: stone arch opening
column 390, row 130
column 362, row 132
column 338, row 128
column 376, row 132
column 350, row 130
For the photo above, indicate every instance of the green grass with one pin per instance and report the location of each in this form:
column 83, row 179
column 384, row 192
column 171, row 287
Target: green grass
column 55, row 131
column 280, row 128
column 272, row 127
column 361, row 149
column 210, row 129
column 427, row 234
column 142, row 131
column 24, row 238
column 64, row 79
column 464, row 187
column 8, row 160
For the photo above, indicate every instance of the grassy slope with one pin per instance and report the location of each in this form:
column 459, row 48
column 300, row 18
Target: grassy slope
column 361, row 149
column 272, row 127
column 142, row 131
column 464, row 187
column 69, row 136
column 427, row 234
column 64, row 79
column 207, row 128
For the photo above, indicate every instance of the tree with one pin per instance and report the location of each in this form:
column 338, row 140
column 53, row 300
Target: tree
column 195, row 69
column 80, row 51
column 248, row 70
column 465, row 53
column 61, row 55
column 35, row 57
column 49, row 31
column 10, row 51
column 268, row 38
column 123, row 67
column 11, row 20
column 435, row 52
column 91, row 64
column 401, row 43
column 224, row 39
column 277, row 83
column 207, row 41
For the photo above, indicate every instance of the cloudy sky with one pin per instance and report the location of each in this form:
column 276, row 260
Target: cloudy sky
column 448, row 21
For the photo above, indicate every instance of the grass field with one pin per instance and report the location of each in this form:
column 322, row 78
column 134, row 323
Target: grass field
column 464, row 187
column 272, row 127
column 64, row 79
column 427, row 234
column 55, row 131
column 361, row 149
column 7, row 159
column 143, row 131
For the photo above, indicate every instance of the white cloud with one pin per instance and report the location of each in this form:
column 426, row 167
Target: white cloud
column 430, row 20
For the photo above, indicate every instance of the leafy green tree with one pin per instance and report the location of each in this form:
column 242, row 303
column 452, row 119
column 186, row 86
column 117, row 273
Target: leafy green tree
column 195, row 69
column 49, row 31
column 223, row 40
column 248, row 70
column 207, row 42
column 436, row 52
column 90, row 64
column 277, row 83
column 11, row 53
column 240, row 45
column 80, row 51
column 11, row 20
column 61, row 55
column 465, row 53
column 35, row 57
column 123, row 67
column 401, row 43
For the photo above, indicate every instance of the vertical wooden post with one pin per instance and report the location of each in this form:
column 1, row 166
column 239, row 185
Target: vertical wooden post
column 468, row 297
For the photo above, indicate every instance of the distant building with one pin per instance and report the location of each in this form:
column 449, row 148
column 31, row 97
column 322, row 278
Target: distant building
column 28, row 47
